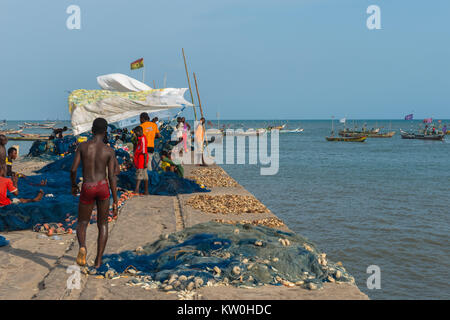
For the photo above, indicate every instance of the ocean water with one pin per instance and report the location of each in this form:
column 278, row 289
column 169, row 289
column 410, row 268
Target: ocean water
column 384, row 202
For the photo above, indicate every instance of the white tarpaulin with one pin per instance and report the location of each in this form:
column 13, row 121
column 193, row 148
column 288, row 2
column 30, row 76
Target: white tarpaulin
column 120, row 82
column 114, row 106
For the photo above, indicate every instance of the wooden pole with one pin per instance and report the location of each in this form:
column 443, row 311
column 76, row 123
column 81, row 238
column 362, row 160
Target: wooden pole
column 154, row 84
column 198, row 96
column 189, row 83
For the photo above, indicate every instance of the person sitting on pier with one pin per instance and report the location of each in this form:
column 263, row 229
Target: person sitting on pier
column 167, row 164
column 3, row 142
column 12, row 155
column 58, row 133
column 7, row 184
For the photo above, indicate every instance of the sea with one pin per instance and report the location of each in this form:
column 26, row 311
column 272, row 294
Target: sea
column 383, row 203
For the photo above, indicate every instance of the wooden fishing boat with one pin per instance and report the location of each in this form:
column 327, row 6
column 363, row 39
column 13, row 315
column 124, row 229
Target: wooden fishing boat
column 409, row 135
column 11, row 131
column 369, row 135
column 347, row 139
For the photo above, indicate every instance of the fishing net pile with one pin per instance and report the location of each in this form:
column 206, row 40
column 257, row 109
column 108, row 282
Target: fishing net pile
column 55, row 147
column 216, row 254
column 56, row 213
column 227, row 204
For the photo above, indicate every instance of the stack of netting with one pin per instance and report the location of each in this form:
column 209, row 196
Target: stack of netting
column 54, row 207
column 241, row 255
column 55, row 147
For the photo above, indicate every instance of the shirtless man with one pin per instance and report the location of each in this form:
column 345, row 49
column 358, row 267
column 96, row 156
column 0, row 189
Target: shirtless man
column 96, row 158
column 3, row 142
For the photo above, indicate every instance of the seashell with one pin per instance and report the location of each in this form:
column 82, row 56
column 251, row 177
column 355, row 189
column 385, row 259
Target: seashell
column 236, row 270
column 312, row 286
column 109, row 274
column 275, row 259
column 236, row 231
column 299, row 283
column 182, row 278
column 190, row 286
column 338, row 274
column 245, row 261
column 168, row 288
column 258, row 243
column 198, row 282
column 217, row 270
column 139, row 249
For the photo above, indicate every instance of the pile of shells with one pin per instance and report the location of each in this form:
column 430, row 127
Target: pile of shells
column 227, row 204
column 268, row 222
column 212, row 177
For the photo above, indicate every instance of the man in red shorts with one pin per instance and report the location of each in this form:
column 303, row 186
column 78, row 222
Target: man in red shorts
column 96, row 158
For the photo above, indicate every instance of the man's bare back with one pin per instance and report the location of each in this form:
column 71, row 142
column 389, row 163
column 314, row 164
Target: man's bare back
column 96, row 158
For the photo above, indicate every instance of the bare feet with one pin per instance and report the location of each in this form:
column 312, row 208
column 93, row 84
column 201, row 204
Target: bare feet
column 98, row 263
column 81, row 258
column 39, row 196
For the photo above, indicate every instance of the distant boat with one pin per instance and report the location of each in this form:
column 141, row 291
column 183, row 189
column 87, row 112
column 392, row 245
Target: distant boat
column 410, row 135
column 358, row 138
column 298, row 130
column 347, row 139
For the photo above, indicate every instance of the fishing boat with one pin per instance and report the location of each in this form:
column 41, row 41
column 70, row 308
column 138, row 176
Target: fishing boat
column 11, row 131
column 421, row 136
column 358, row 138
column 347, row 139
column 370, row 134
column 276, row 127
column 298, row 130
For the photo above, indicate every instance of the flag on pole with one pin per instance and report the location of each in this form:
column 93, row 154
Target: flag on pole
column 342, row 120
column 428, row 120
column 137, row 64
column 409, row 117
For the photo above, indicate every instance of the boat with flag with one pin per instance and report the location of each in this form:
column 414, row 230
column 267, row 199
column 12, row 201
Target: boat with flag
column 422, row 136
column 356, row 138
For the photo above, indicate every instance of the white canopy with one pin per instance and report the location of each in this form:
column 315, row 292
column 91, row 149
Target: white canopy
column 87, row 105
column 121, row 83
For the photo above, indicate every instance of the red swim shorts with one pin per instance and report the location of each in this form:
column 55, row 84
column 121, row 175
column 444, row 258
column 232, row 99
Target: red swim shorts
column 92, row 191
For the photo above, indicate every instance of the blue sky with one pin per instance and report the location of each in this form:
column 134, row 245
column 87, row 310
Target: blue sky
column 254, row 59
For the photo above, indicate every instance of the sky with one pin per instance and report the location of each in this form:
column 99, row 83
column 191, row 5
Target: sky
column 304, row 59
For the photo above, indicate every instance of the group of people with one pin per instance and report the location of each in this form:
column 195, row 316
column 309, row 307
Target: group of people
column 432, row 130
column 99, row 170
column 9, row 179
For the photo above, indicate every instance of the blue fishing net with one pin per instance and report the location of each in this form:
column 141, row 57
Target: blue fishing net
column 3, row 241
column 54, row 207
column 160, row 183
column 196, row 251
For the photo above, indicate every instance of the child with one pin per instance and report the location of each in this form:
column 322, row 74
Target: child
column 141, row 159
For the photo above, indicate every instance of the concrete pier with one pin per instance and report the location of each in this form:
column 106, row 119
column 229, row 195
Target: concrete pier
column 33, row 267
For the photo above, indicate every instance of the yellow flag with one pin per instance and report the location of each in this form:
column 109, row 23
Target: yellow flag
column 137, row 64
